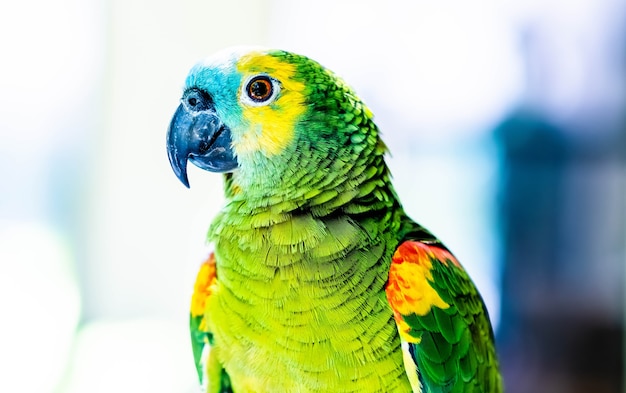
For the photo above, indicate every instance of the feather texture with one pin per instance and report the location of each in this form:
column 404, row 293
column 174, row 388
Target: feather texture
column 443, row 319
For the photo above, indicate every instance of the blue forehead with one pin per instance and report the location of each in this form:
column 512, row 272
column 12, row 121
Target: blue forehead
column 222, row 81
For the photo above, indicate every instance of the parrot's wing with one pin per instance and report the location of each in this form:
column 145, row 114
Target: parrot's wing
column 201, row 336
column 442, row 320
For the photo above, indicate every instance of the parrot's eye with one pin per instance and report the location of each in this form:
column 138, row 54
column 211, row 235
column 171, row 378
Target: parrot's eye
column 260, row 90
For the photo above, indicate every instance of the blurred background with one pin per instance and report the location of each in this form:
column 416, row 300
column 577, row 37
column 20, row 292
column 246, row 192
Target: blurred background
column 507, row 127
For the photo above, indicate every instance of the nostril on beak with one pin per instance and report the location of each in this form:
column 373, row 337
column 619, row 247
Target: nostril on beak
column 197, row 100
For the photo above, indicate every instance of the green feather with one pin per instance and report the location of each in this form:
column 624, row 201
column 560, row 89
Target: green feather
column 435, row 347
column 198, row 341
column 449, row 324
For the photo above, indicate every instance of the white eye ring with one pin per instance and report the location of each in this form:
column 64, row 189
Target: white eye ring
column 260, row 90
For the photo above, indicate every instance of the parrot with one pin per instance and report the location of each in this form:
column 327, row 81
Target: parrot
column 318, row 281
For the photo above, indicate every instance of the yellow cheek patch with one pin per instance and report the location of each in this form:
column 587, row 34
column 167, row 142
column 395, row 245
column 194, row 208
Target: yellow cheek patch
column 270, row 127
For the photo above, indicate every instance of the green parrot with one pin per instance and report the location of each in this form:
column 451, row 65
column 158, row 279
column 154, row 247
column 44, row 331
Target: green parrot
column 319, row 281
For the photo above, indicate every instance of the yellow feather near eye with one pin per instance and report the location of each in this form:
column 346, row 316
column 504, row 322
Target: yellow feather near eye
column 271, row 126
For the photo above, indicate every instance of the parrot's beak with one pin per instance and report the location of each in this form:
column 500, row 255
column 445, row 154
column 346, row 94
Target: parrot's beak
column 197, row 134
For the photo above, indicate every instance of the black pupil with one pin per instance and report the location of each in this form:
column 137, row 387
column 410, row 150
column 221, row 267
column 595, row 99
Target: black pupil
column 260, row 89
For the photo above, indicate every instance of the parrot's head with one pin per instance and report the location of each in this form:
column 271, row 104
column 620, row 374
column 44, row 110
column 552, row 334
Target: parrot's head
column 269, row 119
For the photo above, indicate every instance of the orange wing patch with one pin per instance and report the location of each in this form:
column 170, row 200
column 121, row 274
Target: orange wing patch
column 204, row 286
column 408, row 289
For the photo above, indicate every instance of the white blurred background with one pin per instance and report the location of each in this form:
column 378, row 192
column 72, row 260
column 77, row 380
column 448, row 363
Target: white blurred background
column 99, row 242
